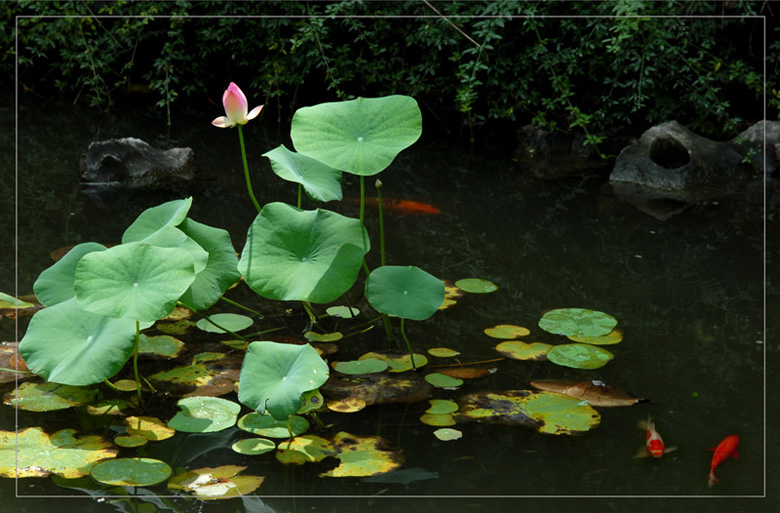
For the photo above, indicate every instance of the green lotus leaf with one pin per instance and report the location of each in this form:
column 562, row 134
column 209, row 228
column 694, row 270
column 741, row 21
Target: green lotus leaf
column 476, row 286
column 343, row 312
column 321, row 182
column 228, row 321
column 172, row 237
column 48, row 396
column 31, row 452
column 442, row 352
column 204, row 415
column 442, row 380
column 133, row 281
column 153, row 219
column 360, row 136
column 131, row 472
column 266, row 425
column 292, row 254
column 216, row 483
column 577, row 322
column 274, row 376
column 55, row 284
column 366, row 366
column 221, row 270
column 579, row 356
column 404, row 291
column 442, row 407
column 65, row 344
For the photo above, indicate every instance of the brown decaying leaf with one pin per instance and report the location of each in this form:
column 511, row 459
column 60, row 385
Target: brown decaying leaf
column 467, row 372
column 378, row 388
column 597, row 393
column 10, row 359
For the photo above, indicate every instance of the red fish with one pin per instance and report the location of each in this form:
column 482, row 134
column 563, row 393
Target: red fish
column 401, row 205
column 725, row 449
column 655, row 445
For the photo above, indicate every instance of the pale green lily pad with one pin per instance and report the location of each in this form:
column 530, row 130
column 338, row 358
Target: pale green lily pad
column 447, row 434
column 131, row 472
column 443, row 381
column 151, row 428
column 579, row 356
column 442, row 352
column 216, row 483
column 613, row 337
column 110, row 406
column 300, row 255
column 441, row 407
column 360, row 136
column 266, row 425
column 577, row 322
column 343, row 312
column 161, row 345
column 313, row 336
column 506, row 331
column 404, row 291
column 48, row 396
column 432, row 419
column 398, row 362
column 37, row 454
column 254, row 446
column 476, row 286
column 130, row 441
column 534, row 351
column 229, row 321
column 321, row 182
column 367, row 366
column 204, row 415
column 179, row 327
column 547, row 412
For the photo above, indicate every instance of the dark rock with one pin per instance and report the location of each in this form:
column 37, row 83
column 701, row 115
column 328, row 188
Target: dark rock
column 133, row 163
column 750, row 144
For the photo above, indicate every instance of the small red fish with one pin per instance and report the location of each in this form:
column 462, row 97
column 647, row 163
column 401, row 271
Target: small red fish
column 401, row 205
column 654, row 445
column 725, row 449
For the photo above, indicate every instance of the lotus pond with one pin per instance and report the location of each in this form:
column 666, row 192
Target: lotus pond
column 552, row 282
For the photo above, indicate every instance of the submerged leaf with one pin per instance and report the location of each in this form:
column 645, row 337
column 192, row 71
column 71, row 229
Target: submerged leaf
column 48, row 396
column 597, row 393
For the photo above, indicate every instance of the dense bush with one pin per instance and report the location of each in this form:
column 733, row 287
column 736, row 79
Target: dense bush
column 591, row 65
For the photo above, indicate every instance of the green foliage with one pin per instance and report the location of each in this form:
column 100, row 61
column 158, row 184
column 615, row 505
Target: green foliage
column 593, row 66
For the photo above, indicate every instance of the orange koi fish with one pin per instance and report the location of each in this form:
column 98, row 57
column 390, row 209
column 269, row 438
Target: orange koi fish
column 401, row 205
column 655, row 445
column 725, row 449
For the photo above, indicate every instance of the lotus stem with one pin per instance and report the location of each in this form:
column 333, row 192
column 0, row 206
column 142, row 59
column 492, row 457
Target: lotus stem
column 246, row 169
column 135, row 361
column 242, row 307
column 310, row 310
column 300, row 194
column 378, row 185
column 408, row 345
column 108, row 384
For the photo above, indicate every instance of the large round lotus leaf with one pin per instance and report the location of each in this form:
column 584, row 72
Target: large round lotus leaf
column 131, row 472
column 292, row 254
column 216, row 483
column 228, row 321
column 172, row 237
column 360, row 136
column 204, row 415
column 221, row 270
column 535, row 351
column 266, row 425
column 321, row 182
column 133, row 281
column 579, row 356
column 31, row 452
column 66, row 344
column 404, row 291
column 153, row 219
column 48, row 396
column 577, row 322
column 613, row 337
column 274, row 376
column 547, row 412
column 55, row 284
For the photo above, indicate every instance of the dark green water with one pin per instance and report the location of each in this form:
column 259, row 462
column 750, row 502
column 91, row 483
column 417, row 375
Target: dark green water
column 688, row 292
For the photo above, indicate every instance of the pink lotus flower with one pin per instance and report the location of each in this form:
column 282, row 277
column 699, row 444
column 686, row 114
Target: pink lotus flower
column 236, row 108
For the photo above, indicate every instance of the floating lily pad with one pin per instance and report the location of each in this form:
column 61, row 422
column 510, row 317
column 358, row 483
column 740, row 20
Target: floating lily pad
column 254, row 446
column 534, row 351
column 404, row 291
column 321, row 182
column 451, row 295
column 476, row 286
column 431, row 419
column 131, row 472
column 216, row 483
column 161, row 345
column 37, row 454
column 378, row 388
column 130, row 441
column 110, row 406
column 360, row 136
column 366, row 366
column 48, row 396
column 579, row 356
column 447, row 434
column 208, row 374
column 12, row 360
column 229, row 321
column 274, row 377
column 292, row 254
column 150, row 428
column 313, row 336
column 179, row 327
column 397, row 362
column 506, row 331
column 126, row 385
column 597, row 393
column 346, row 405
column 204, row 415
column 442, row 407
column 577, row 322
column 443, row 381
column 267, row 425
column 613, row 337
column 344, row 312
column 442, row 352
column 547, row 412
